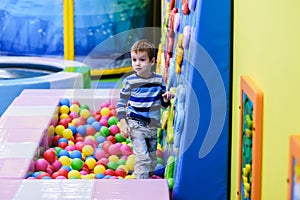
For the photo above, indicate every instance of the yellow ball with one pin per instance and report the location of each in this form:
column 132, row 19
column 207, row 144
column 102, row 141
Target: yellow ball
column 85, row 113
column 74, row 174
column 64, row 109
column 71, row 143
column 105, row 111
column 87, row 150
column 59, row 129
column 131, row 157
column 65, row 160
column 51, row 131
column 74, row 108
column 99, row 169
column 90, row 162
column 64, row 116
column 67, row 133
column 130, row 164
column 113, row 158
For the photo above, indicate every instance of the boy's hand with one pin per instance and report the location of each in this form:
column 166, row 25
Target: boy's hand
column 167, row 96
column 125, row 129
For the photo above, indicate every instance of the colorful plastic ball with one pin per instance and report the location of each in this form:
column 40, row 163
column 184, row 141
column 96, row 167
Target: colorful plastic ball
column 91, row 162
column 104, row 111
column 121, row 161
column 114, row 129
column 96, row 125
column 90, row 120
column 65, row 122
column 76, row 163
column 106, row 145
column 50, row 155
column 114, row 149
column 74, row 174
column 112, row 121
column 73, row 115
column 109, row 172
column 103, row 105
column 100, row 139
column 43, row 175
column 90, row 130
column 112, row 165
column 59, row 129
column 120, row 172
column 67, row 133
column 99, row 169
column 119, row 137
column 79, row 146
column 87, row 150
column 65, row 160
column 74, row 108
column 85, row 113
column 64, row 101
column 64, row 109
column 56, row 165
column 111, row 138
column 81, row 129
column 76, row 154
column 113, row 158
column 84, row 106
column 104, row 131
column 51, row 131
column 159, row 153
column 99, row 176
column 100, row 153
column 41, row 164
column 103, row 122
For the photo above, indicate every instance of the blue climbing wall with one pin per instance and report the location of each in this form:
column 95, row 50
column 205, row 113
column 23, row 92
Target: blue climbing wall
column 203, row 156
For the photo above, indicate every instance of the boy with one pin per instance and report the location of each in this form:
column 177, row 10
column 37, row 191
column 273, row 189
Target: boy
column 138, row 108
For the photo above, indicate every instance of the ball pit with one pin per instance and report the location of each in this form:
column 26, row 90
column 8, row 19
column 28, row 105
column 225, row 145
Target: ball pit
column 86, row 144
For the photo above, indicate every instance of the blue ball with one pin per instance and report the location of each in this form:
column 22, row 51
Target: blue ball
column 99, row 176
column 100, row 139
column 81, row 129
column 90, row 120
column 63, row 153
column 73, row 129
column 64, row 101
column 97, row 126
column 62, row 140
column 76, row 154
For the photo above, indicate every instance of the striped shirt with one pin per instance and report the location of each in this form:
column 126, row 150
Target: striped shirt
column 141, row 98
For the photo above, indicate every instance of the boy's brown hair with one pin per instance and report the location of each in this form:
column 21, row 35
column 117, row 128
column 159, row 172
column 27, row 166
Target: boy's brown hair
column 145, row 45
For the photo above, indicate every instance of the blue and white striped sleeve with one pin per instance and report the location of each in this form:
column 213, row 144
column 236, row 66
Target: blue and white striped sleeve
column 122, row 101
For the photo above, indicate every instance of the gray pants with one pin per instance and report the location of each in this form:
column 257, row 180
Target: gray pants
column 144, row 141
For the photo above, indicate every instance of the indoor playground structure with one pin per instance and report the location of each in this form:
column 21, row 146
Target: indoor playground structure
column 194, row 148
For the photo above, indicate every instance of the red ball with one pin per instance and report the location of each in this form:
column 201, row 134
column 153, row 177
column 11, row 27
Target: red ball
column 62, row 145
column 106, row 145
column 43, row 175
column 90, row 130
column 65, row 122
column 79, row 146
column 120, row 172
column 112, row 139
column 55, row 139
column 56, row 174
column 109, row 172
column 50, row 155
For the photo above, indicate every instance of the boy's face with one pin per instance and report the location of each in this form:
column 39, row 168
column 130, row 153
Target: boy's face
column 141, row 63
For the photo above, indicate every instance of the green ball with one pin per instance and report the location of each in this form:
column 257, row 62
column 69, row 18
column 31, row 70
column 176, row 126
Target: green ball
column 84, row 106
column 112, row 165
column 119, row 137
column 121, row 161
column 127, row 141
column 104, row 131
column 112, row 121
column 76, row 163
